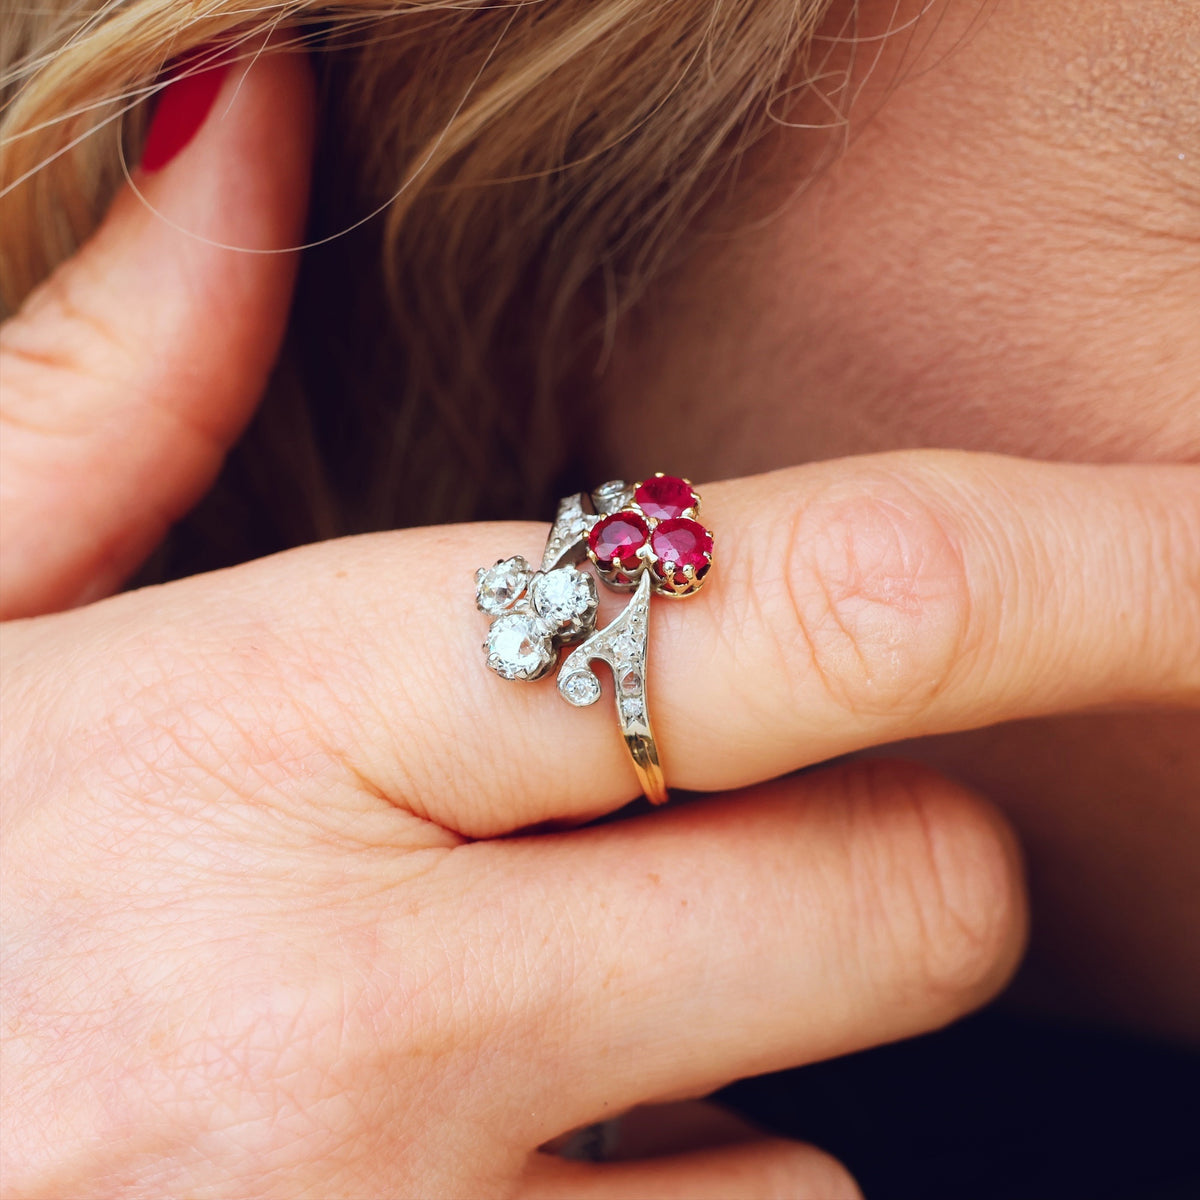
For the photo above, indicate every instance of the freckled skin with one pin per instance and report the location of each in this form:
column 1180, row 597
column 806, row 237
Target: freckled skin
column 1002, row 254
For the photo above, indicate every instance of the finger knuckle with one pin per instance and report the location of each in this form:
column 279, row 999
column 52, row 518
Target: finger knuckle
column 875, row 601
column 61, row 330
column 945, row 885
column 181, row 718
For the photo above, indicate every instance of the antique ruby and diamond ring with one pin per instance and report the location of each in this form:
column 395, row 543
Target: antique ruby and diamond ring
column 643, row 538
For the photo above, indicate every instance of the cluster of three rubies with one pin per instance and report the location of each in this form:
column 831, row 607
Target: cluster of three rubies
column 656, row 531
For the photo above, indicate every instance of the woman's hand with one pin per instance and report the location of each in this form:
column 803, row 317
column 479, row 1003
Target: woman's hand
column 252, row 948
column 264, row 934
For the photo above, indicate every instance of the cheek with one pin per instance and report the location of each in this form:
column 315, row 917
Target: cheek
column 903, row 302
column 997, row 342
column 897, row 338
column 992, row 263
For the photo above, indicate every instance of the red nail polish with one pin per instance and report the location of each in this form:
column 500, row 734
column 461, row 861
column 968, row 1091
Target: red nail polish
column 182, row 108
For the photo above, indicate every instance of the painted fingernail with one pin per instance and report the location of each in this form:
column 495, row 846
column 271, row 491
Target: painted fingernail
column 182, row 108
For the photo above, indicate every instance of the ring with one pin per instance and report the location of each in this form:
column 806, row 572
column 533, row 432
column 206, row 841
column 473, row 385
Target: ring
column 643, row 538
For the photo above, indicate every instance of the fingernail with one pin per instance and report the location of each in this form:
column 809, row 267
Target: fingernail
column 182, row 108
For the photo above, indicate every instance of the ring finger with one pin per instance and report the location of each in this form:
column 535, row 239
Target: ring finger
column 856, row 603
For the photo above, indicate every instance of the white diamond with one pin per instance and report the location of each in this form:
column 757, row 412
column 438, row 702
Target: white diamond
column 519, row 647
column 626, row 648
column 631, row 708
column 610, row 496
column 498, row 588
column 565, row 597
column 580, row 689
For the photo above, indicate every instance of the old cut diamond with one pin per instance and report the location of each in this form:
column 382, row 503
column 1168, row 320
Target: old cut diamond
column 580, row 689
column 498, row 588
column 565, row 599
column 519, row 647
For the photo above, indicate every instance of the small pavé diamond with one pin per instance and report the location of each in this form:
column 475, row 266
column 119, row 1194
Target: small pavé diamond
column 580, row 689
column 565, row 599
column 632, row 709
column 519, row 647
column 626, row 648
column 610, row 496
column 498, row 588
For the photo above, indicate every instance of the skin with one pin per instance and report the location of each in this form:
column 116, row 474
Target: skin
column 1001, row 251
column 272, row 925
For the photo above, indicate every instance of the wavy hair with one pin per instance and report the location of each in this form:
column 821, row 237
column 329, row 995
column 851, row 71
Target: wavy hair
column 533, row 163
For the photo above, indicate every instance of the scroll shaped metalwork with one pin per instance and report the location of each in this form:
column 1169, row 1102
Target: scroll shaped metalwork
column 623, row 645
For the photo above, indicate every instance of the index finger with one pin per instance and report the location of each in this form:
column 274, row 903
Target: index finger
column 851, row 604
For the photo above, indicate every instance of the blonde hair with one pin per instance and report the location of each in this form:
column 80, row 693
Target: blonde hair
column 537, row 161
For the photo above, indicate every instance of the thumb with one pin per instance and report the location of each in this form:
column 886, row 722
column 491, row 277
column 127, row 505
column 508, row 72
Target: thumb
column 131, row 371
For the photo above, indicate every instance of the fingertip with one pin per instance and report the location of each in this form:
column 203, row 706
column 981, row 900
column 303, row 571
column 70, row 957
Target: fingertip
column 181, row 110
column 239, row 120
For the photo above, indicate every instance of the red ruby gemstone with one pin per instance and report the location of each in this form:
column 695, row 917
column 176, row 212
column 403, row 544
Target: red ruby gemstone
column 683, row 542
column 664, row 497
column 617, row 538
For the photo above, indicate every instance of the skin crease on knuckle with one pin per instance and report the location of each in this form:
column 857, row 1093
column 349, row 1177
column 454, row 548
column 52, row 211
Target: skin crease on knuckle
column 88, row 349
column 874, row 598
